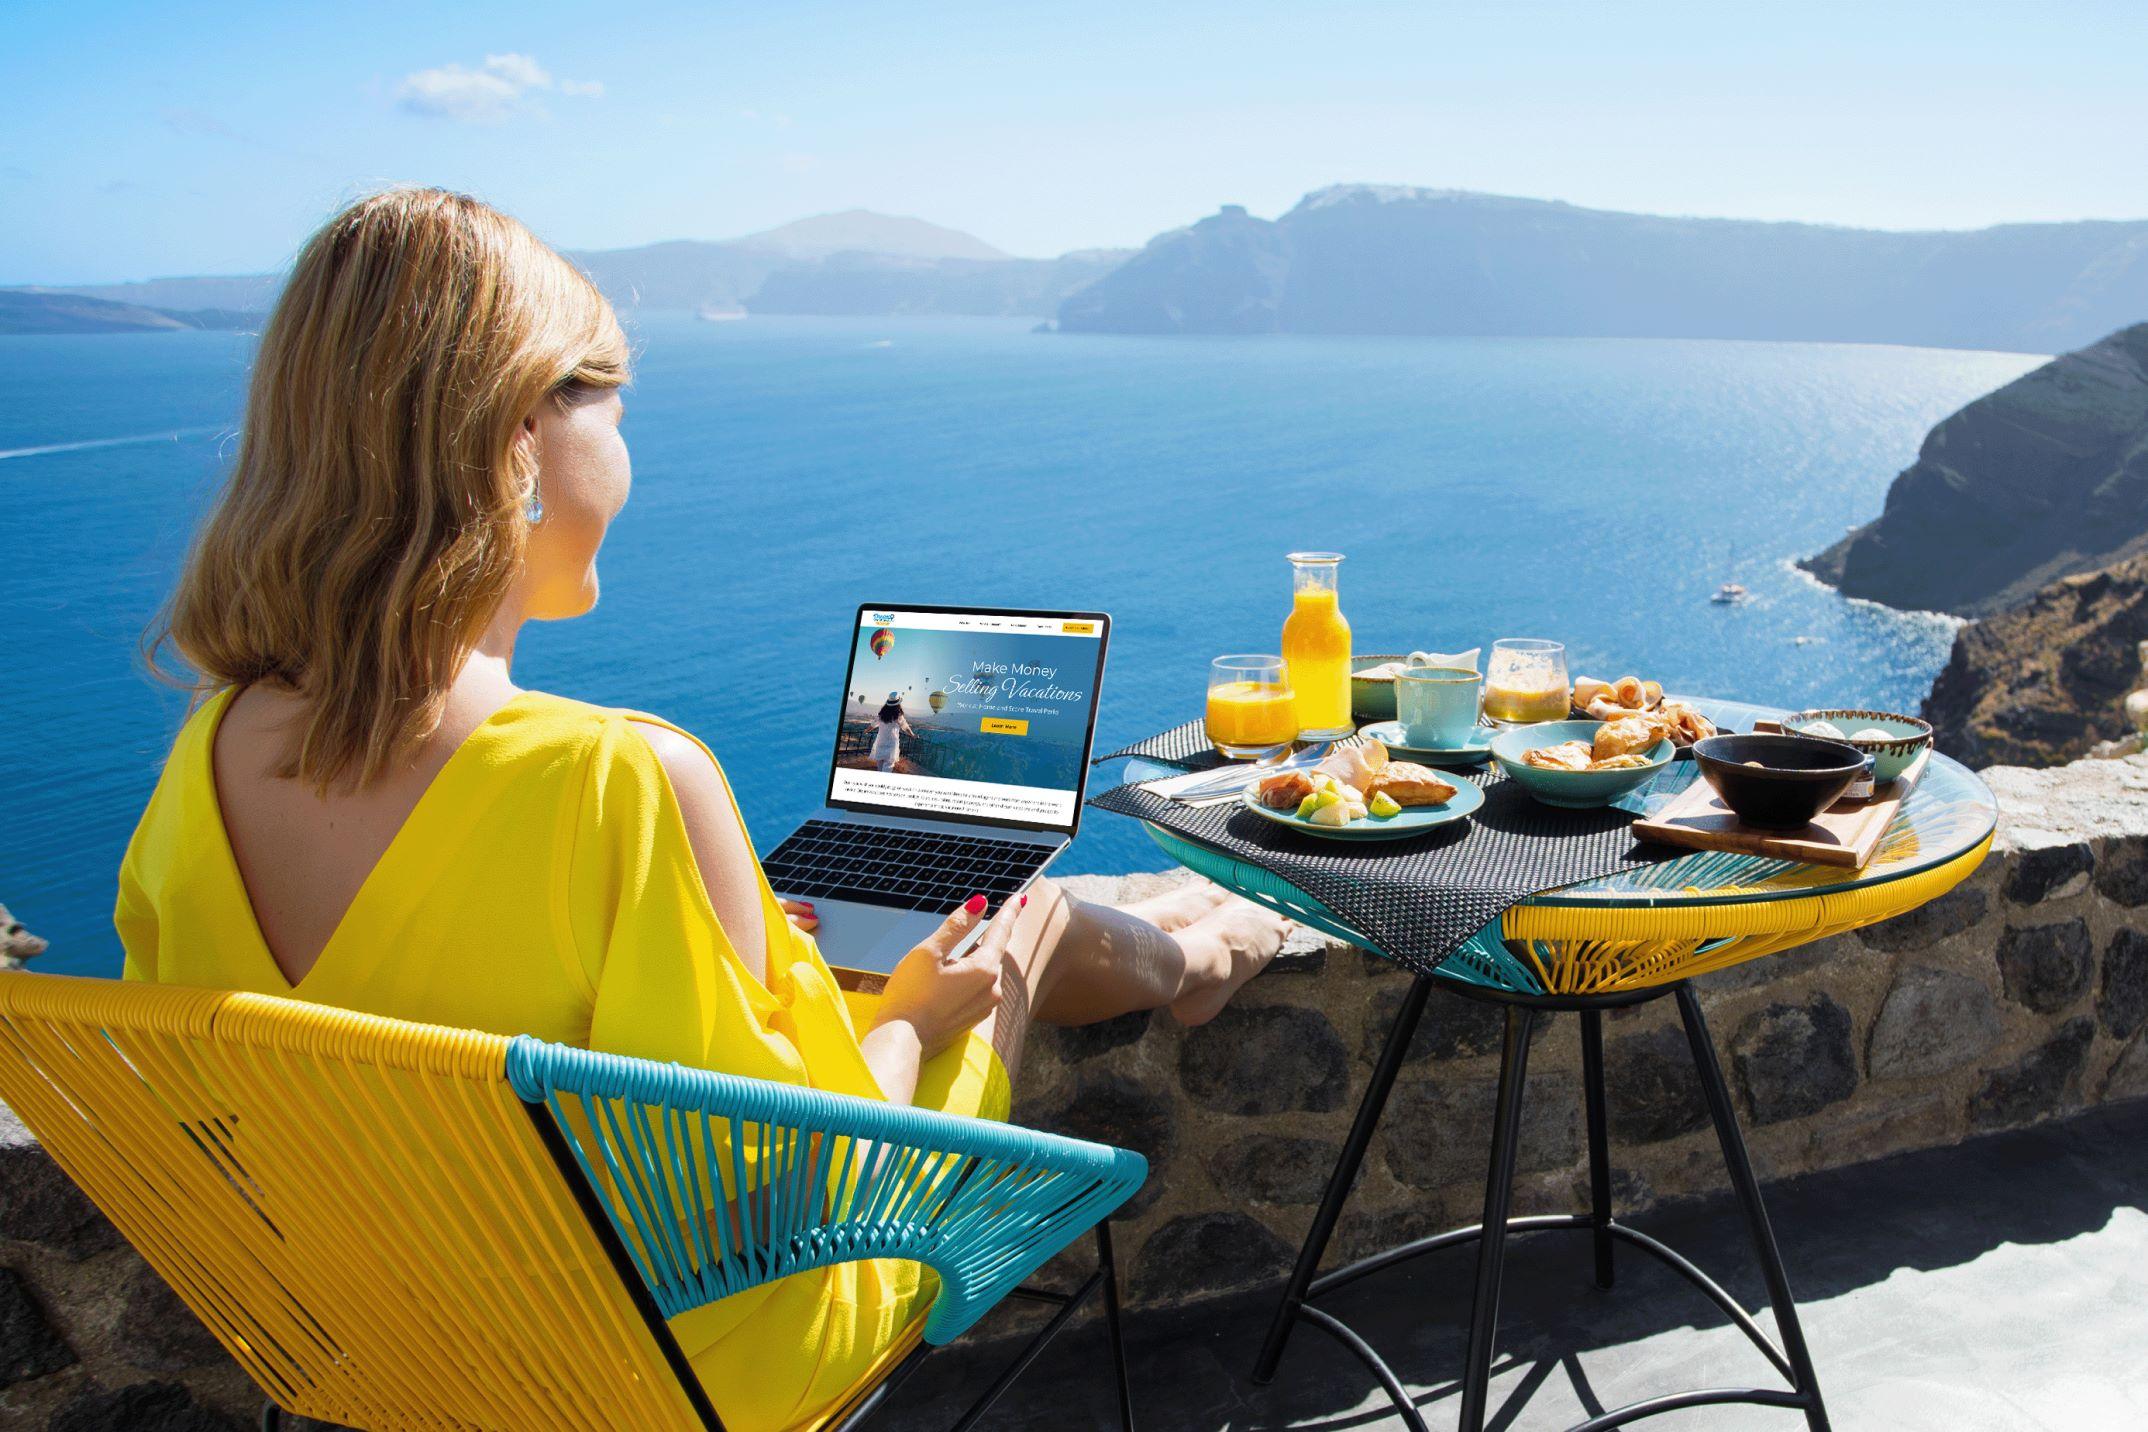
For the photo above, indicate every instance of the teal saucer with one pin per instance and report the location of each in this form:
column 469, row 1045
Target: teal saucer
column 1475, row 751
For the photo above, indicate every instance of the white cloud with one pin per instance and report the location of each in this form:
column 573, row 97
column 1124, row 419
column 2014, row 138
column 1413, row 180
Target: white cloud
column 503, row 86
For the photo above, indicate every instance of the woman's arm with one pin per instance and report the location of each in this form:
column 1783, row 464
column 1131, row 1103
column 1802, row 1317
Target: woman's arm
column 931, row 998
column 721, row 851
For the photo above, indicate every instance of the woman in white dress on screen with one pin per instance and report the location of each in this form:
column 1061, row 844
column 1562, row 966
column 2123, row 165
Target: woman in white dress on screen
column 887, row 741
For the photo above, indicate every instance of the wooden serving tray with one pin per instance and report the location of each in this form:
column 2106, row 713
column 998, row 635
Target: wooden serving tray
column 1845, row 834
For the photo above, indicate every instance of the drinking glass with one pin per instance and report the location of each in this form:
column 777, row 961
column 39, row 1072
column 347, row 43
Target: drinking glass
column 1251, row 711
column 1525, row 682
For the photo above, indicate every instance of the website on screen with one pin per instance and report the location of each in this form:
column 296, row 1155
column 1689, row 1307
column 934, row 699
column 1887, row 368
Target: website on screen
column 982, row 715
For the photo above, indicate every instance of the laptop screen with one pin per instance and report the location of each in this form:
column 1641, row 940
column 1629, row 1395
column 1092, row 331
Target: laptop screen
column 970, row 715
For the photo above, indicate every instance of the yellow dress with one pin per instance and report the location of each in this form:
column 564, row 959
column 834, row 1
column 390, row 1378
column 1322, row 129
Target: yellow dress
column 544, row 885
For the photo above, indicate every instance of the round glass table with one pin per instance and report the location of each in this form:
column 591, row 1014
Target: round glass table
column 1623, row 939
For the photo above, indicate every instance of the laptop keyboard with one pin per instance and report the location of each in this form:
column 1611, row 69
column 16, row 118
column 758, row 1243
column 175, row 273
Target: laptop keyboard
column 905, row 869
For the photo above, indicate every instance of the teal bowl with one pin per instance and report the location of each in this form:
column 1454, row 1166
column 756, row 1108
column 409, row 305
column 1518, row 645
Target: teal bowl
column 1372, row 699
column 1571, row 790
column 1906, row 738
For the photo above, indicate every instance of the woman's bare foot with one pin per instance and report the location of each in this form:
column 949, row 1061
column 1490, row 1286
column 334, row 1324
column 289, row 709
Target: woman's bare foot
column 1238, row 936
column 1179, row 906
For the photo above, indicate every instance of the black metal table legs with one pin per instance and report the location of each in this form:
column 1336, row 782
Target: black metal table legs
column 1306, row 1284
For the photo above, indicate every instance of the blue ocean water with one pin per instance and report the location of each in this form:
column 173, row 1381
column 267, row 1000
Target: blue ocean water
column 1591, row 490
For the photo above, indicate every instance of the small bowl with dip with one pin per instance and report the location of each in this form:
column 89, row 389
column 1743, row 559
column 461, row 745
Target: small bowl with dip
column 1893, row 741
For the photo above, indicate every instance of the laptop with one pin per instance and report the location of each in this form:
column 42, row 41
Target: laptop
column 961, row 755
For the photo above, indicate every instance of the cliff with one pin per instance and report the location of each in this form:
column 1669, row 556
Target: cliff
column 2043, row 683
column 1375, row 259
column 2046, row 477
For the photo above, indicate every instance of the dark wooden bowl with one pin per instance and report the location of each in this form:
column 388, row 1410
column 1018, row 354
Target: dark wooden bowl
column 1778, row 782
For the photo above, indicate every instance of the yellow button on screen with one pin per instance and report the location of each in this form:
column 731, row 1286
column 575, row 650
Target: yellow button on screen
column 1003, row 726
column 1078, row 628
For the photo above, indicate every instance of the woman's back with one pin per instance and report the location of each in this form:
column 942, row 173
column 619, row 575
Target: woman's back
column 304, row 854
column 533, row 877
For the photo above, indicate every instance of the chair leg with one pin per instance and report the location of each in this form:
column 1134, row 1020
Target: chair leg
column 1592, row 1080
column 1109, row 1265
column 1339, row 1182
column 1498, row 1200
column 1740, row 1167
column 271, row 1417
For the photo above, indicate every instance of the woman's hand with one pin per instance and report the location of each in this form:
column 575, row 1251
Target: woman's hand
column 800, row 914
column 933, row 997
column 943, row 995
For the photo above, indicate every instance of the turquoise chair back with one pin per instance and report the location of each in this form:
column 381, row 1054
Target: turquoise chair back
column 716, row 1184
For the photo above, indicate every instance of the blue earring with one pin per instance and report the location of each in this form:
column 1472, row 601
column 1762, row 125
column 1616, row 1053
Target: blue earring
column 533, row 510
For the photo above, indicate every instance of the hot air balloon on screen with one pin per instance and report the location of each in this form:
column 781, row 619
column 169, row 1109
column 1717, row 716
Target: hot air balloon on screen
column 882, row 643
column 939, row 702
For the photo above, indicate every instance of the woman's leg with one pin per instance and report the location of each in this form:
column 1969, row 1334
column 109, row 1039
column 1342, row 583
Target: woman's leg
column 1072, row 962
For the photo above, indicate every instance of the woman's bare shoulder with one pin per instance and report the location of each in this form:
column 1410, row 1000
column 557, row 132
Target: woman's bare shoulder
column 694, row 777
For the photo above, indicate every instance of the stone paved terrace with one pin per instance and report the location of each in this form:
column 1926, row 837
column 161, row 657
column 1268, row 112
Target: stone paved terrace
column 1997, row 1286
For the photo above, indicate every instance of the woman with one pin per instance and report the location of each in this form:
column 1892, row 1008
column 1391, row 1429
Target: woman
column 891, row 728
column 366, row 811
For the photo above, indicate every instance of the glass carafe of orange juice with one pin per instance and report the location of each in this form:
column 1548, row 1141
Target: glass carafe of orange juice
column 1316, row 648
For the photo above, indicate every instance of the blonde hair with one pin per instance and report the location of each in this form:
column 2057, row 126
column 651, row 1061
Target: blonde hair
column 374, row 519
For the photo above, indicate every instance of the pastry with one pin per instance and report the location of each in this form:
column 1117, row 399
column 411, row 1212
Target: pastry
column 1566, row 756
column 1408, row 784
column 1627, row 737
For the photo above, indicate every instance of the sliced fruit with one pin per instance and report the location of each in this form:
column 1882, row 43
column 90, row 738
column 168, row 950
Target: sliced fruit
column 1383, row 806
column 1307, row 806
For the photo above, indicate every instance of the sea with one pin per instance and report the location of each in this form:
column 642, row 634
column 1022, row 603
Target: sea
column 1595, row 491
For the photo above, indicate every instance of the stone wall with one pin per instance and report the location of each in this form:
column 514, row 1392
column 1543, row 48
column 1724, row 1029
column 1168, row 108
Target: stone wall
column 2018, row 997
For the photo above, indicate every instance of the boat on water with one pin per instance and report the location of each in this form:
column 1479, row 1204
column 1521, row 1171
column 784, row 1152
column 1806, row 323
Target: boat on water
column 1728, row 593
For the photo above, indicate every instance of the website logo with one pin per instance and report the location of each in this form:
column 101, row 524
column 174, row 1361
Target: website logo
column 883, row 618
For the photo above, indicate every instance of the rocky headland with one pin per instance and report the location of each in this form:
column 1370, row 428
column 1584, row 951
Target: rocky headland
column 2027, row 510
column 2042, row 479
column 17, row 945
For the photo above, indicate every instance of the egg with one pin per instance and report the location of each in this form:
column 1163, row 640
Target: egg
column 1827, row 729
column 1872, row 733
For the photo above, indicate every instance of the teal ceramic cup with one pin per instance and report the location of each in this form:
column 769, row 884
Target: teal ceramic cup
column 1437, row 705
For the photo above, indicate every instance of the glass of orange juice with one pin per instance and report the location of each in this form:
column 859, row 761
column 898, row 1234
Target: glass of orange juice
column 1525, row 682
column 1250, row 706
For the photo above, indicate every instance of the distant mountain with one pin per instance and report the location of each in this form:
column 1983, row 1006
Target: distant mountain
column 2045, row 478
column 241, row 293
column 854, row 283
column 855, row 262
column 861, row 231
column 1367, row 259
column 684, row 273
column 37, row 311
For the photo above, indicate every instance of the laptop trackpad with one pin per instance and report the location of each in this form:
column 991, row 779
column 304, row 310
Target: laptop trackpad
column 872, row 938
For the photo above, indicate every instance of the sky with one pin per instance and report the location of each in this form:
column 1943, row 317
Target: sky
column 143, row 140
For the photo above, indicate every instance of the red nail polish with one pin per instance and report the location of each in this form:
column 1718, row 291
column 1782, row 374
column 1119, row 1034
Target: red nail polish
column 1024, row 905
column 974, row 904
column 807, row 903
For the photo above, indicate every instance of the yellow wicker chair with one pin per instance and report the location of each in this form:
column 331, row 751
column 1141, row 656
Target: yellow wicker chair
column 385, row 1234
